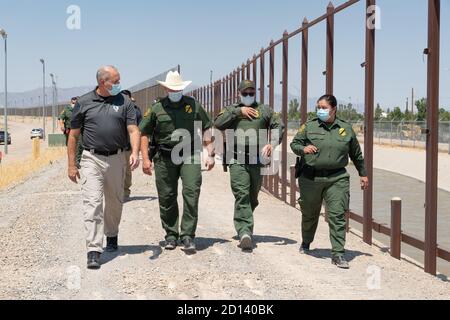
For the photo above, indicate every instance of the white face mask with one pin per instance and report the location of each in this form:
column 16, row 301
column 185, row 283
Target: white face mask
column 175, row 96
column 248, row 101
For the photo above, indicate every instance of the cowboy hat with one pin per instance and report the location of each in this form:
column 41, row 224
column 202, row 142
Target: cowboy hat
column 174, row 82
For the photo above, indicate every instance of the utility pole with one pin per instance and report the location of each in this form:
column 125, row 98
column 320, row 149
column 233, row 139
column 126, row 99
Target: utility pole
column 5, row 115
column 43, row 97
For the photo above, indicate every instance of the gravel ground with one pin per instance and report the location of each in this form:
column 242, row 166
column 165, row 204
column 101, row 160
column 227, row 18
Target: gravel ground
column 42, row 253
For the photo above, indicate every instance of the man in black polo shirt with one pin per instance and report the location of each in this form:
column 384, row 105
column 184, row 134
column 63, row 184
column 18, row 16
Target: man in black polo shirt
column 104, row 118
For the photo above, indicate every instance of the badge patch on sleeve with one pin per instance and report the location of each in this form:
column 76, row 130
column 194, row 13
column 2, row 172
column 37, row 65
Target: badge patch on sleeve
column 342, row 132
column 188, row 109
column 302, row 129
column 147, row 113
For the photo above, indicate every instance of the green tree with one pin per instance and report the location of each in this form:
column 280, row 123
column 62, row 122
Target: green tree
column 421, row 106
column 378, row 112
column 444, row 115
column 294, row 110
column 396, row 114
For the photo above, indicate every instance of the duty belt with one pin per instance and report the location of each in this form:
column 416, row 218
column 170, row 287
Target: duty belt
column 104, row 153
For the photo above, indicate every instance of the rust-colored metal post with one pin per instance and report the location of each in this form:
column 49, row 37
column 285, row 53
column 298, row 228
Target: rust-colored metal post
column 347, row 222
column 243, row 75
column 226, row 91
column 293, row 187
column 262, row 77
column 233, row 86
column 434, row 20
column 222, row 93
column 262, row 98
column 238, row 81
column 369, row 117
column 330, row 49
column 255, row 71
column 396, row 228
column 248, row 75
column 232, row 78
column 273, row 182
column 284, row 115
column 304, row 90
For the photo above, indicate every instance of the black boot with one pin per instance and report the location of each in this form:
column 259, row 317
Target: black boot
column 111, row 244
column 93, row 260
column 305, row 248
column 340, row 262
column 188, row 246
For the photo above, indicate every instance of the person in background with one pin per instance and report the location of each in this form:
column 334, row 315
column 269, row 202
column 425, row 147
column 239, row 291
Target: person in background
column 128, row 173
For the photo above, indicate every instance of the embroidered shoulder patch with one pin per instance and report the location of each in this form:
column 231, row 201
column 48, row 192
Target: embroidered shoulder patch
column 302, row 129
column 342, row 132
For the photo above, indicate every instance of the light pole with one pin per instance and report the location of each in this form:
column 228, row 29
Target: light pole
column 54, row 102
column 5, row 37
column 43, row 96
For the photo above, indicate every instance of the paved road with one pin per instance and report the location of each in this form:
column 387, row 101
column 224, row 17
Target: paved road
column 42, row 254
column 21, row 146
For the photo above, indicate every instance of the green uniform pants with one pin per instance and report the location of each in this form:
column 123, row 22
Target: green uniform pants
column 335, row 191
column 167, row 176
column 246, row 183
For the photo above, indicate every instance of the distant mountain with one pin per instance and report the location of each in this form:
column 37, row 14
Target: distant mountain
column 31, row 98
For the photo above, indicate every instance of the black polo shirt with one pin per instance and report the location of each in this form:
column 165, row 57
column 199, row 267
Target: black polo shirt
column 103, row 121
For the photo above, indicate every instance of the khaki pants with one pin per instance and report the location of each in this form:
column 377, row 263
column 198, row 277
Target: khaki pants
column 102, row 180
column 128, row 175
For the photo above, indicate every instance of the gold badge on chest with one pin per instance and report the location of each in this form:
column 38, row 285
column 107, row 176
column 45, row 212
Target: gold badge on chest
column 342, row 132
column 188, row 109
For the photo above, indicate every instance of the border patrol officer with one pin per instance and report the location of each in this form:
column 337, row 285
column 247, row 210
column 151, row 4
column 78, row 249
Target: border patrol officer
column 128, row 173
column 105, row 118
column 325, row 145
column 248, row 118
column 65, row 126
column 65, row 118
column 163, row 121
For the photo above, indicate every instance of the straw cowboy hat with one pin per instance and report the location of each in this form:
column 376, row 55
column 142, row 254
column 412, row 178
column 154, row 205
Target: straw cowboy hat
column 174, row 82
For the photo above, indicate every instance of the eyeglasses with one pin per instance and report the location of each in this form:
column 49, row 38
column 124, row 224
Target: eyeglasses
column 246, row 94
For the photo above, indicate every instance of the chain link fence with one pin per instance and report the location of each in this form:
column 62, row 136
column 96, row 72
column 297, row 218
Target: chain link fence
column 410, row 134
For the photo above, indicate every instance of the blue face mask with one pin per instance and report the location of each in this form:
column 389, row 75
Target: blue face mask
column 175, row 96
column 115, row 90
column 323, row 114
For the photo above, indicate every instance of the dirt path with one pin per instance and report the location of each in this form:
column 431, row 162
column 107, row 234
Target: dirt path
column 42, row 254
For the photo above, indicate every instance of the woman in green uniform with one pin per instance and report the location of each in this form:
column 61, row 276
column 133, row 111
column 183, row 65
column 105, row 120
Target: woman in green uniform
column 325, row 145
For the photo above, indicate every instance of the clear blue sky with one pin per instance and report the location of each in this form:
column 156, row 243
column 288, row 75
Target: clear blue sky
column 144, row 38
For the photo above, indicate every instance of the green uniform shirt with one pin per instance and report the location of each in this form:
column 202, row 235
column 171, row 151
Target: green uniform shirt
column 231, row 118
column 336, row 143
column 66, row 116
column 164, row 117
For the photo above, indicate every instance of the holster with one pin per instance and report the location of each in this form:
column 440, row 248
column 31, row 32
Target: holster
column 299, row 164
column 153, row 148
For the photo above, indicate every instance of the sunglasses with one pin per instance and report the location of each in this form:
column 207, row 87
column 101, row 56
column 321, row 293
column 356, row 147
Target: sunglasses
column 246, row 94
